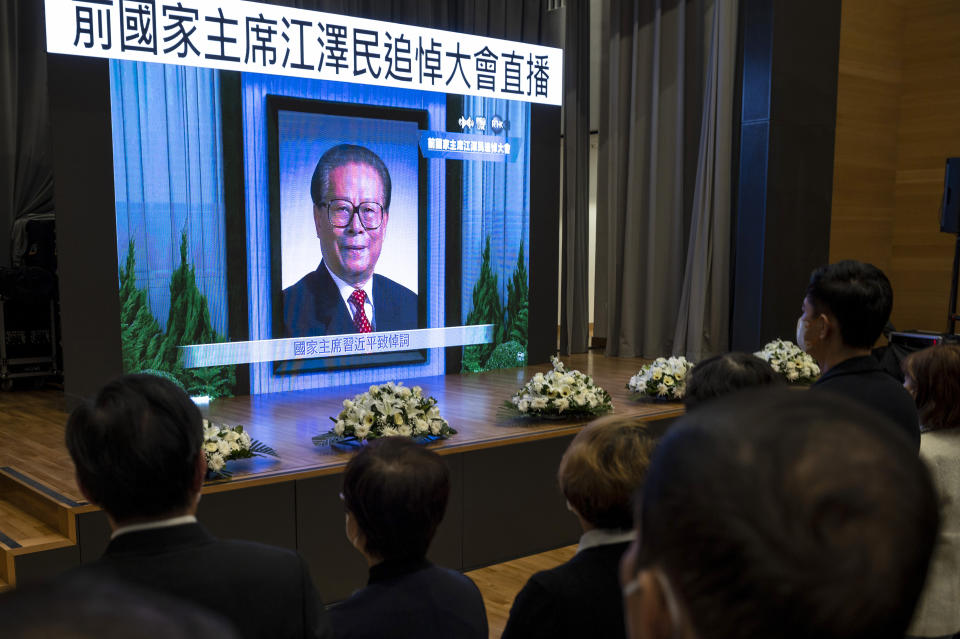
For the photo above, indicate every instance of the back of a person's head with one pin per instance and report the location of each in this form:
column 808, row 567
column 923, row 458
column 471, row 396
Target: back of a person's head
column 778, row 513
column 602, row 468
column 725, row 374
column 935, row 374
column 397, row 492
column 93, row 608
column 136, row 447
column 859, row 295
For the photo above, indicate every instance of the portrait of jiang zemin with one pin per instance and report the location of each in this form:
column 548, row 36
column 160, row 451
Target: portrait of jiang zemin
column 351, row 192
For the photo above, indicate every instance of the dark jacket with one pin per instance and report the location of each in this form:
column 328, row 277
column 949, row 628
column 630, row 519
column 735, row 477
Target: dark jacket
column 412, row 599
column 313, row 306
column 578, row 599
column 862, row 379
column 264, row 591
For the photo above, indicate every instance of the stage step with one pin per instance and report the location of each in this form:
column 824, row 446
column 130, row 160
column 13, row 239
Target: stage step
column 33, row 519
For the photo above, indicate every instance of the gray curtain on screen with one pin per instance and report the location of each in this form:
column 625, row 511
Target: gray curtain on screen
column 26, row 171
column 574, row 250
column 663, row 193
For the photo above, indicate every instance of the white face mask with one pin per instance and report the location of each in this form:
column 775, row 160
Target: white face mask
column 800, row 335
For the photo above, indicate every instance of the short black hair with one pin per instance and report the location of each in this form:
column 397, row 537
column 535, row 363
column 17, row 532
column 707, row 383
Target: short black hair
column 397, row 492
column 859, row 295
column 780, row 513
column 83, row 607
column 345, row 154
column 722, row 375
column 135, row 447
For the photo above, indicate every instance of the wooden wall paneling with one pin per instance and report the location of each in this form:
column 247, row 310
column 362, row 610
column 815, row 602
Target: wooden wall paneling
column 865, row 155
column 928, row 133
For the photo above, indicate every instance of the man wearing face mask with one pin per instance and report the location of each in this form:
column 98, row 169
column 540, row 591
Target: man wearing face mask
column 845, row 309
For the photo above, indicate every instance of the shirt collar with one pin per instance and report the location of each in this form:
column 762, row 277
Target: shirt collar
column 604, row 537
column 346, row 289
column 151, row 525
column 392, row 568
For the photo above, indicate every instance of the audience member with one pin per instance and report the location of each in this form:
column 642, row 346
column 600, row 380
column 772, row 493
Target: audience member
column 91, row 608
column 598, row 474
column 137, row 451
column 844, row 312
column 780, row 514
column 724, row 374
column 933, row 377
column 395, row 494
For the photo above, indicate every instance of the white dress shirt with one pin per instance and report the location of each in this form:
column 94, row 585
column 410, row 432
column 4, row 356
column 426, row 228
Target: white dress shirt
column 346, row 290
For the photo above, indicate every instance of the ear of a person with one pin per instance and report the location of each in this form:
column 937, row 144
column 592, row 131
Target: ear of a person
column 655, row 619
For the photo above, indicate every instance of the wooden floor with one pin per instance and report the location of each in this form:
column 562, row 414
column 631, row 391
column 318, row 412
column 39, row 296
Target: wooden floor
column 31, row 423
column 500, row 583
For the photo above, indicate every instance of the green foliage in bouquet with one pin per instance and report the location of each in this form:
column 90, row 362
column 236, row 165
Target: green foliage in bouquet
column 146, row 348
column 664, row 378
column 223, row 443
column 387, row 410
column 560, row 393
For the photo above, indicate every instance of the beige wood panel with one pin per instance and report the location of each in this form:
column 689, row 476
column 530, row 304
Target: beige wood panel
column 500, row 583
column 928, row 133
column 865, row 153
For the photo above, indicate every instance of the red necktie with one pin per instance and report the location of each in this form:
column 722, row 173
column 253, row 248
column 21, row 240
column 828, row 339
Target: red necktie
column 358, row 297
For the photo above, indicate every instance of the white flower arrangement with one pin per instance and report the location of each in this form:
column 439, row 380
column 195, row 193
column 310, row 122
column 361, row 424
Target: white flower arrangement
column 560, row 393
column 789, row 360
column 664, row 378
column 387, row 410
column 223, row 443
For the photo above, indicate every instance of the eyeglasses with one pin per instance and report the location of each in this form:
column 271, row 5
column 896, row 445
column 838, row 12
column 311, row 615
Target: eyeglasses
column 340, row 214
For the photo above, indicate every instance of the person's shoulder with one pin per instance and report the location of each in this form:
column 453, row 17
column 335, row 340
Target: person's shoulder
column 393, row 289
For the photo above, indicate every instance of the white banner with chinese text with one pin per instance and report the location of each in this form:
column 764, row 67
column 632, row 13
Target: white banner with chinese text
column 235, row 35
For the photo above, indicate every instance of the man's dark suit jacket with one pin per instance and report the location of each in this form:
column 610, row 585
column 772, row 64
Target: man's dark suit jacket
column 578, row 599
column 313, row 306
column 412, row 599
column 862, row 379
column 264, row 591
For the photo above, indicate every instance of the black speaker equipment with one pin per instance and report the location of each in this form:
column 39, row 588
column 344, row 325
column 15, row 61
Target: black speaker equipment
column 950, row 205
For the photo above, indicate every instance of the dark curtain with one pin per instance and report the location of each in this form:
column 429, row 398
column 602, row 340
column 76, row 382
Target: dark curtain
column 574, row 251
column 663, row 187
column 26, row 167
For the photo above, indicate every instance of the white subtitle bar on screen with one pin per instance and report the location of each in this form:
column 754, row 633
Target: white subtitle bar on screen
column 294, row 348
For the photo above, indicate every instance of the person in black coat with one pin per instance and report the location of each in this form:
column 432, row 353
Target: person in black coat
column 395, row 494
column 598, row 474
column 845, row 310
column 137, row 452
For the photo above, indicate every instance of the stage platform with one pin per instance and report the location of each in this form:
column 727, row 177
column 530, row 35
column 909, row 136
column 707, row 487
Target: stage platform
column 504, row 500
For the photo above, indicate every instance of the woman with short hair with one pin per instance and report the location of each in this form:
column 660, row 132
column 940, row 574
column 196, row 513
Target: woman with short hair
column 932, row 376
column 395, row 493
column 598, row 474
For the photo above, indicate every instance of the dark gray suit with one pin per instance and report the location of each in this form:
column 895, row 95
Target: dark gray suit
column 264, row 591
column 313, row 306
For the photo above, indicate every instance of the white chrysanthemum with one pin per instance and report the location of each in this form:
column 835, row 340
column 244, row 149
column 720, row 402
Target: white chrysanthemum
column 210, row 447
column 361, row 430
column 215, row 462
column 662, row 389
column 339, row 427
column 538, row 403
column 436, row 426
column 223, row 448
